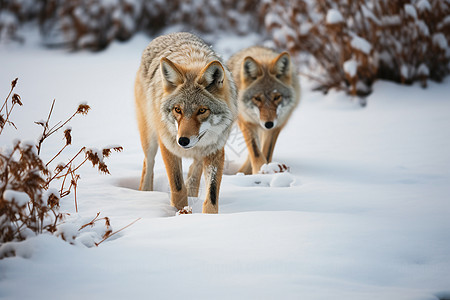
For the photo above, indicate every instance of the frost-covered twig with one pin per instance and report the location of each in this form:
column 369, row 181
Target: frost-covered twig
column 47, row 131
column 15, row 100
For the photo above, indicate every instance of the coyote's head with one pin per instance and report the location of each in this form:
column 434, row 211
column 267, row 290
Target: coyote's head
column 195, row 107
column 267, row 92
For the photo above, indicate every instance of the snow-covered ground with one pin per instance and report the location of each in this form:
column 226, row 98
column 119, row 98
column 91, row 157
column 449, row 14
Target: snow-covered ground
column 363, row 214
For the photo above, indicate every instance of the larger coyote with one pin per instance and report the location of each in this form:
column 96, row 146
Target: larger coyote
column 185, row 103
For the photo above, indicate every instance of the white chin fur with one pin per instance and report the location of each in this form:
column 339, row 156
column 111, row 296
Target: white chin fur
column 209, row 133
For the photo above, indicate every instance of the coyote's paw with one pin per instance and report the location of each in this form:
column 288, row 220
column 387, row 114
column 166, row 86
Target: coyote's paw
column 187, row 210
column 273, row 167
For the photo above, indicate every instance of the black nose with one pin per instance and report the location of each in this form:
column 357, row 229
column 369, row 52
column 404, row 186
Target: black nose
column 268, row 125
column 183, row 141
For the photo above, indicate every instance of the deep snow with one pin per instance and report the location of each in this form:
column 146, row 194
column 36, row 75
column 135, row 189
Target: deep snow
column 363, row 213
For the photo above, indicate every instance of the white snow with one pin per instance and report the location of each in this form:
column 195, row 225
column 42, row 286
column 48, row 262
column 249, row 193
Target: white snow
column 305, row 28
column 410, row 11
column 18, row 198
column 362, row 87
column 8, row 24
column 128, row 22
column 282, row 180
column 109, row 3
column 423, row 70
column 81, row 15
column 350, row 67
column 279, row 35
column 445, row 22
column 362, row 214
column 334, row 16
column 86, row 40
column 289, row 31
column 8, row 19
column 423, row 28
column 392, row 20
column 367, row 13
column 404, row 71
column 360, row 44
column 272, row 19
column 423, row 5
column 440, row 41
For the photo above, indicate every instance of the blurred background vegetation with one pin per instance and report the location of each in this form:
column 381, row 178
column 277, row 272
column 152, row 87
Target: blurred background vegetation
column 343, row 44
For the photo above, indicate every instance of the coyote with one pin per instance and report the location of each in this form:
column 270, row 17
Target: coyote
column 268, row 93
column 186, row 103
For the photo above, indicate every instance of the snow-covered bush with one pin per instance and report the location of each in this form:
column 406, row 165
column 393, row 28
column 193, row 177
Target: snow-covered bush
column 208, row 16
column 355, row 42
column 15, row 12
column 94, row 24
column 352, row 43
column 89, row 24
column 30, row 190
column 25, row 207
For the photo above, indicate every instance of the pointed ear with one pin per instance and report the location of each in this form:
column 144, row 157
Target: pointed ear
column 171, row 73
column 281, row 65
column 250, row 69
column 211, row 77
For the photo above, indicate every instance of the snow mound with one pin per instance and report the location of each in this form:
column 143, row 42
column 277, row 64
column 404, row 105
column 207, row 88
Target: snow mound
column 18, row 198
column 334, row 17
column 284, row 179
column 361, row 44
column 350, row 67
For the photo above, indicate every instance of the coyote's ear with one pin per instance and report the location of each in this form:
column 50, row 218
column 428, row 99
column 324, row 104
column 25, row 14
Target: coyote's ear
column 171, row 74
column 281, row 65
column 211, row 77
column 250, row 69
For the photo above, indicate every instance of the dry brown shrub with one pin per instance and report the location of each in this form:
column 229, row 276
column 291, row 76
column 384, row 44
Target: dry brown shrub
column 403, row 41
column 28, row 204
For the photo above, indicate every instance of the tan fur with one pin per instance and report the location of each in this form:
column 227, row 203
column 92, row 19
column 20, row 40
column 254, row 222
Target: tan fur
column 185, row 103
column 269, row 91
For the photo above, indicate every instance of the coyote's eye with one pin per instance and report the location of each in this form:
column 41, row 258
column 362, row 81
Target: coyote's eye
column 257, row 98
column 177, row 110
column 277, row 97
column 201, row 111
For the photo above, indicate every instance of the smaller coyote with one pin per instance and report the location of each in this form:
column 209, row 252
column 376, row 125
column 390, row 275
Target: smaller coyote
column 268, row 93
column 186, row 104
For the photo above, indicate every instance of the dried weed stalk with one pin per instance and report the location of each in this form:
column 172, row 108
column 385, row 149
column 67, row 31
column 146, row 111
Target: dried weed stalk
column 82, row 109
column 108, row 233
column 5, row 112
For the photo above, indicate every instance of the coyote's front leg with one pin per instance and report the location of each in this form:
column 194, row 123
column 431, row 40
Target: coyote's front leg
column 257, row 158
column 194, row 176
column 178, row 192
column 269, row 139
column 213, row 169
